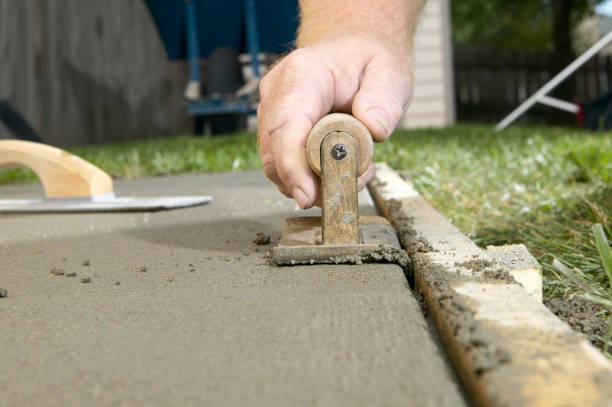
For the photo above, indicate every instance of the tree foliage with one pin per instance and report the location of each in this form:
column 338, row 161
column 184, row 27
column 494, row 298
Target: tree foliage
column 526, row 24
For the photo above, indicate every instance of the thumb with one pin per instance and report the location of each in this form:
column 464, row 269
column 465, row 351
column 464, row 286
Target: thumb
column 383, row 97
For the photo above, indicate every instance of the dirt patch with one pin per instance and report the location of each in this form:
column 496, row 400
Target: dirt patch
column 580, row 314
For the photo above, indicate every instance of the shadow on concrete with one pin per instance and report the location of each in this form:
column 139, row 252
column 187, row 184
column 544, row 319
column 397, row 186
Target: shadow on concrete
column 234, row 235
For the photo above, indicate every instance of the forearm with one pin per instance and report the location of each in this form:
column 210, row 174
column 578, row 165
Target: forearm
column 394, row 21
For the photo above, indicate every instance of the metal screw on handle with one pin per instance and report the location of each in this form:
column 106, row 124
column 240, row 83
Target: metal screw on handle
column 339, row 151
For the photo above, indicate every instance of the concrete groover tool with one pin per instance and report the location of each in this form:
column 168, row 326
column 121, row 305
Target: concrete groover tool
column 339, row 149
column 73, row 184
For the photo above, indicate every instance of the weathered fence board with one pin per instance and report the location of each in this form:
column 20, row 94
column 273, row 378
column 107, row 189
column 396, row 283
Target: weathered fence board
column 490, row 82
column 88, row 71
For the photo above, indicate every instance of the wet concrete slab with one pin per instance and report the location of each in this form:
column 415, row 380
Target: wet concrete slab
column 184, row 309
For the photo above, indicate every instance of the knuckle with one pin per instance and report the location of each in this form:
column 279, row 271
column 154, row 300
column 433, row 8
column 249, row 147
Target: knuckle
column 285, row 170
column 260, row 112
column 268, row 165
column 264, row 87
column 296, row 60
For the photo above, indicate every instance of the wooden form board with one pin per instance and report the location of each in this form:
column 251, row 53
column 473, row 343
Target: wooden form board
column 508, row 349
column 85, row 72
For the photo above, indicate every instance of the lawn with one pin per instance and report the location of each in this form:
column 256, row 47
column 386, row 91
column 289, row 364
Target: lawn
column 541, row 186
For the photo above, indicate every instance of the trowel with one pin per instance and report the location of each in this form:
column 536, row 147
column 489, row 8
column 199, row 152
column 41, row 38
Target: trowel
column 74, row 185
column 338, row 149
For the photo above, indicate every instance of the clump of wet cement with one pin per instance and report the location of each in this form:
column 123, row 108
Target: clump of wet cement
column 487, row 271
column 403, row 224
column 383, row 254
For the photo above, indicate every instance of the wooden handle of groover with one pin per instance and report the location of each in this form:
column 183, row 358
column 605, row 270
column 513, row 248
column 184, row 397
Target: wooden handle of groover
column 63, row 175
column 344, row 123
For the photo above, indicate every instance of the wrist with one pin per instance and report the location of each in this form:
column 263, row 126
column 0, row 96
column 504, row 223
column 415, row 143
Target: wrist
column 392, row 22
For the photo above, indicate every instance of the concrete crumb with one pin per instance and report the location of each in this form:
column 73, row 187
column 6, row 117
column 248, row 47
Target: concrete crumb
column 85, row 263
column 57, row 272
column 261, row 239
column 144, row 269
column 170, row 279
column 3, row 293
column 246, row 252
column 71, row 274
column 86, row 280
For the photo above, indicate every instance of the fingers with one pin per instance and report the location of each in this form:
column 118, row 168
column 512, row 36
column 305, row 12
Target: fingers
column 366, row 177
column 294, row 96
column 383, row 97
column 309, row 83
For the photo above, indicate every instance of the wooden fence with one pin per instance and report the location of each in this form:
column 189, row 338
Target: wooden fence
column 87, row 72
column 490, row 83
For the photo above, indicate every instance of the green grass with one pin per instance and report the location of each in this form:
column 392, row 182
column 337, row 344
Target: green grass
column 541, row 186
column 174, row 155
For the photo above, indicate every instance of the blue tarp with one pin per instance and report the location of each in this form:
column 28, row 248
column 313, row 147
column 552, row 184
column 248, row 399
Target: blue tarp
column 222, row 23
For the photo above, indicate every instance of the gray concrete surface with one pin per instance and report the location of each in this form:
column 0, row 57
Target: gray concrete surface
column 235, row 331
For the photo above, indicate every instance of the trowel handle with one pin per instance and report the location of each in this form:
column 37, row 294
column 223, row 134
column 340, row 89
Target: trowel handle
column 339, row 122
column 63, row 175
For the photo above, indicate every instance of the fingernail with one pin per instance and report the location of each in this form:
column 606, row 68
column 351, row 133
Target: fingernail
column 300, row 197
column 381, row 117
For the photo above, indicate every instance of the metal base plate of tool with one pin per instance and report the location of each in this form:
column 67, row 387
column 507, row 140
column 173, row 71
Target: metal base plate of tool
column 114, row 204
column 339, row 149
column 302, row 243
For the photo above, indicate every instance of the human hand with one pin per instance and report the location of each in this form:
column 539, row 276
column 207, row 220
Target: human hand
column 359, row 74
